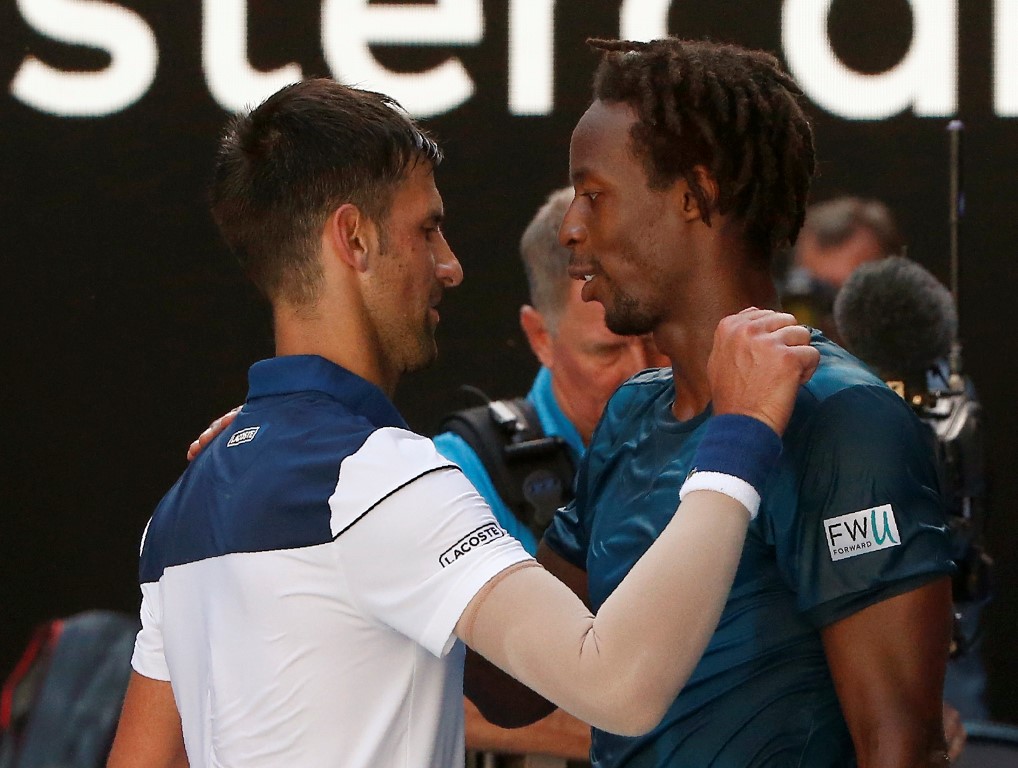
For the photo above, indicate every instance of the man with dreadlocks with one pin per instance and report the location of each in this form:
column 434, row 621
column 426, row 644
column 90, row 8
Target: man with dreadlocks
column 690, row 168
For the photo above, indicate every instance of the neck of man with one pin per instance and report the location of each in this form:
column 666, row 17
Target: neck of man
column 335, row 335
column 687, row 336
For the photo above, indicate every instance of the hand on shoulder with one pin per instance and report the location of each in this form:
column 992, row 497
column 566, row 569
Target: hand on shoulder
column 759, row 359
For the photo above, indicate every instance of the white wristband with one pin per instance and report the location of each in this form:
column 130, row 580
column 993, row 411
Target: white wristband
column 729, row 485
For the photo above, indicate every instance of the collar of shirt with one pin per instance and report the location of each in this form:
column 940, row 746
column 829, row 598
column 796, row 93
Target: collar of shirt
column 290, row 374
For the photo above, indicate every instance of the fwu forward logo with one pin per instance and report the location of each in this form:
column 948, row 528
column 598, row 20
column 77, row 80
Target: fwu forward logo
column 860, row 532
column 476, row 538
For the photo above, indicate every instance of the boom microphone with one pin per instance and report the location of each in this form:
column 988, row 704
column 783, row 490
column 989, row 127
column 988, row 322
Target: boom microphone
column 897, row 317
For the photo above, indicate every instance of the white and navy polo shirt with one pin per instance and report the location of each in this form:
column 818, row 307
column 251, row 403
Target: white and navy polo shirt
column 302, row 579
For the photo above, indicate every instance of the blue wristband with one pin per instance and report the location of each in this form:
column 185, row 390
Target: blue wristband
column 735, row 457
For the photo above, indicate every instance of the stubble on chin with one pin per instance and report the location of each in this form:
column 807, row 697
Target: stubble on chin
column 425, row 351
column 625, row 317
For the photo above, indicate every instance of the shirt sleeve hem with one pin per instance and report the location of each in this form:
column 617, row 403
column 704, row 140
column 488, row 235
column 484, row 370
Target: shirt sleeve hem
column 840, row 608
column 439, row 637
column 149, row 667
column 573, row 557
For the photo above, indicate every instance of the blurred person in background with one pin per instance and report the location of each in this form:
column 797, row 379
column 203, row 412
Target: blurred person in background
column 837, row 237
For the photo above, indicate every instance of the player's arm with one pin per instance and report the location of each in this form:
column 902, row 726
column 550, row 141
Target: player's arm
column 622, row 669
column 503, row 700
column 558, row 734
column 149, row 734
column 887, row 662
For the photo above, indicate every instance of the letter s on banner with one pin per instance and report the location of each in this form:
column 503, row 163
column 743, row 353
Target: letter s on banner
column 926, row 79
column 120, row 32
column 350, row 26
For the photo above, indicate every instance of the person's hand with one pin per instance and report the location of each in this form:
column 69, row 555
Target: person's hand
column 759, row 359
column 955, row 734
column 209, row 434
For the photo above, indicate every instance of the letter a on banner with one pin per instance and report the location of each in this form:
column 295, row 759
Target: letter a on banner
column 926, row 79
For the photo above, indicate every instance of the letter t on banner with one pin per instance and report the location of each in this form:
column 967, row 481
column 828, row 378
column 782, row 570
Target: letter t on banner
column 231, row 79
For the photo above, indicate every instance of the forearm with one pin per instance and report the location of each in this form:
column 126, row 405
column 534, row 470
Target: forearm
column 557, row 734
column 503, row 700
column 622, row 669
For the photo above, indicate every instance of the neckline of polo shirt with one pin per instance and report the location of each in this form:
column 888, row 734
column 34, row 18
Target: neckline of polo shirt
column 289, row 374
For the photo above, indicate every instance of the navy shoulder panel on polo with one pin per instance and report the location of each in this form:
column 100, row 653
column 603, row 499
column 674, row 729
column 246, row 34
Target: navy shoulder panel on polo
column 264, row 484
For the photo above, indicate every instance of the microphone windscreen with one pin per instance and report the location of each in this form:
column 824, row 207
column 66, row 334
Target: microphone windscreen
column 897, row 317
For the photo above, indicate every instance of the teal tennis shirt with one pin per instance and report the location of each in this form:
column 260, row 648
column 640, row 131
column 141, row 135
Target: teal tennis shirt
column 852, row 516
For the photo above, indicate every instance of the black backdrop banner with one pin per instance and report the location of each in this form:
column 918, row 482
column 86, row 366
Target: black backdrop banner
column 128, row 327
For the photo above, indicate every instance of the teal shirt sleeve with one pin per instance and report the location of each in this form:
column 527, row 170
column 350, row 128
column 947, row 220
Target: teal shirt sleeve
column 857, row 515
column 456, row 449
column 567, row 535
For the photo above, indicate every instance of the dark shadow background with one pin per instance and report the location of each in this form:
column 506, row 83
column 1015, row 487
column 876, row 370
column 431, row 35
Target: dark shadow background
column 128, row 327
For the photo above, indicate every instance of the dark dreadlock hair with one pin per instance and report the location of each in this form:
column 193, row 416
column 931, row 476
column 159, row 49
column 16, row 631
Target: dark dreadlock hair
column 729, row 109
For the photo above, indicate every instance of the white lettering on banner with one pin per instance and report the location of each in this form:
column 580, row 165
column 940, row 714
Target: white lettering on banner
column 926, row 79
column 644, row 19
column 232, row 81
column 130, row 43
column 531, row 57
column 350, row 26
column 1005, row 60
column 856, row 533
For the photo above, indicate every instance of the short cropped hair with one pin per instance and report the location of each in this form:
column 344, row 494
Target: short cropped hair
column 286, row 166
column 836, row 221
column 730, row 109
column 545, row 259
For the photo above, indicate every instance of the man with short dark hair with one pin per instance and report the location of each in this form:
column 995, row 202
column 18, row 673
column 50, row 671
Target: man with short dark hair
column 307, row 581
column 691, row 168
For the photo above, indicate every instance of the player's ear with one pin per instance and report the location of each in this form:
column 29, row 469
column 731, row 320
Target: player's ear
column 690, row 204
column 535, row 328
column 351, row 235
